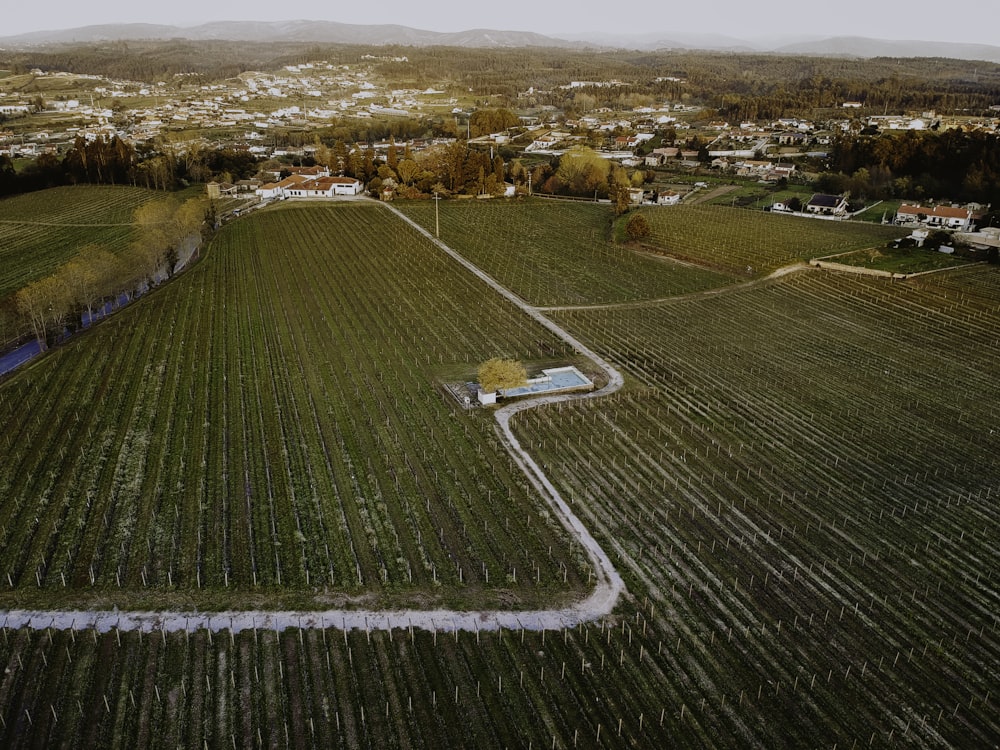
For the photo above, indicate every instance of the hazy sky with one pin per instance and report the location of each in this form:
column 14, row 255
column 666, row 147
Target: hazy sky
column 956, row 20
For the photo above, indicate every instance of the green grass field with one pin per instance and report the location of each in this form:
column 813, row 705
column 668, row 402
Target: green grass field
column 797, row 486
column 899, row 260
column 881, row 210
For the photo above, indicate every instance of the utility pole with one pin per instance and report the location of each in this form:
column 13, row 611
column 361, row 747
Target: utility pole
column 437, row 220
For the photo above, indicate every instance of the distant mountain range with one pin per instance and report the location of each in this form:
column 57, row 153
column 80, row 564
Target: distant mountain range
column 327, row 32
column 330, row 32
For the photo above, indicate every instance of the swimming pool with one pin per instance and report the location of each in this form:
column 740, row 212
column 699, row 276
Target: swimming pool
column 552, row 381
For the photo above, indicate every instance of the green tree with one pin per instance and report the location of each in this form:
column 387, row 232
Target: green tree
column 582, row 171
column 88, row 277
column 637, row 228
column 486, row 121
column 45, row 304
column 407, row 170
column 620, row 199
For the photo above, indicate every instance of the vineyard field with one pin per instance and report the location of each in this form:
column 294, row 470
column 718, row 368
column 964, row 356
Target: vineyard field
column 816, row 506
column 273, row 423
column 45, row 229
column 557, row 253
column 799, row 484
column 754, row 243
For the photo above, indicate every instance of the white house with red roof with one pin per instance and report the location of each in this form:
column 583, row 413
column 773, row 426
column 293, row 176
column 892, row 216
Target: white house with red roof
column 301, row 186
column 325, row 187
column 938, row 217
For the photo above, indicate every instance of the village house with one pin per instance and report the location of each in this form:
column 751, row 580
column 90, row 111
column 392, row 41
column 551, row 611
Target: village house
column 753, row 168
column 316, row 171
column 790, row 138
column 937, row 217
column 827, row 205
column 325, row 187
column 278, row 189
column 247, row 186
column 689, row 158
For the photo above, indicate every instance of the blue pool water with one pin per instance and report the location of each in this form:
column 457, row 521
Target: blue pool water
column 558, row 379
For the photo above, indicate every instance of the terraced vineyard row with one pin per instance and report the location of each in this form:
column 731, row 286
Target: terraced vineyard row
column 557, row 253
column 274, row 423
column 739, row 241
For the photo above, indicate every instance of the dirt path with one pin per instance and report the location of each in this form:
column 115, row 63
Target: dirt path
column 710, row 194
column 599, row 603
column 776, row 274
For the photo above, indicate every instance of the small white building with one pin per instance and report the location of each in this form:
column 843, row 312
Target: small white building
column 346, row 186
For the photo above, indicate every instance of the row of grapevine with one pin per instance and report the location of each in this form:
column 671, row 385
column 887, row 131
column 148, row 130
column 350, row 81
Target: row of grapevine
column 806, row 486
column 799, row 489
column 753, row 242
column 557, row 253
column 275, row 421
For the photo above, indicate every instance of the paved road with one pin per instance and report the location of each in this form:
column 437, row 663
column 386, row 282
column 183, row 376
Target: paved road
column 600, row 602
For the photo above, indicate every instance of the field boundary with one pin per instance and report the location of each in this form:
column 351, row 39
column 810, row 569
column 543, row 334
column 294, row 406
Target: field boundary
column 865, row 271
column 729, row 288
column 600, row 602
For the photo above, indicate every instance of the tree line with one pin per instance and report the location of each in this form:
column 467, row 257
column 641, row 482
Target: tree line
column 957, row 165
column 78, row 291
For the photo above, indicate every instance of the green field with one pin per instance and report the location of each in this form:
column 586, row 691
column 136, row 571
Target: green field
column 879, row 211
column 797, row 486
column 45, row 229
column 899, row 260
column 754, row 243
column 557, row 253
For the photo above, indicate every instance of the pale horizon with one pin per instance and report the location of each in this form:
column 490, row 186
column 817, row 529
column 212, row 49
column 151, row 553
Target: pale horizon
column 922, row 20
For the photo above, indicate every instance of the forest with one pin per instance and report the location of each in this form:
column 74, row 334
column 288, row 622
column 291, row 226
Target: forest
column 954, row 164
